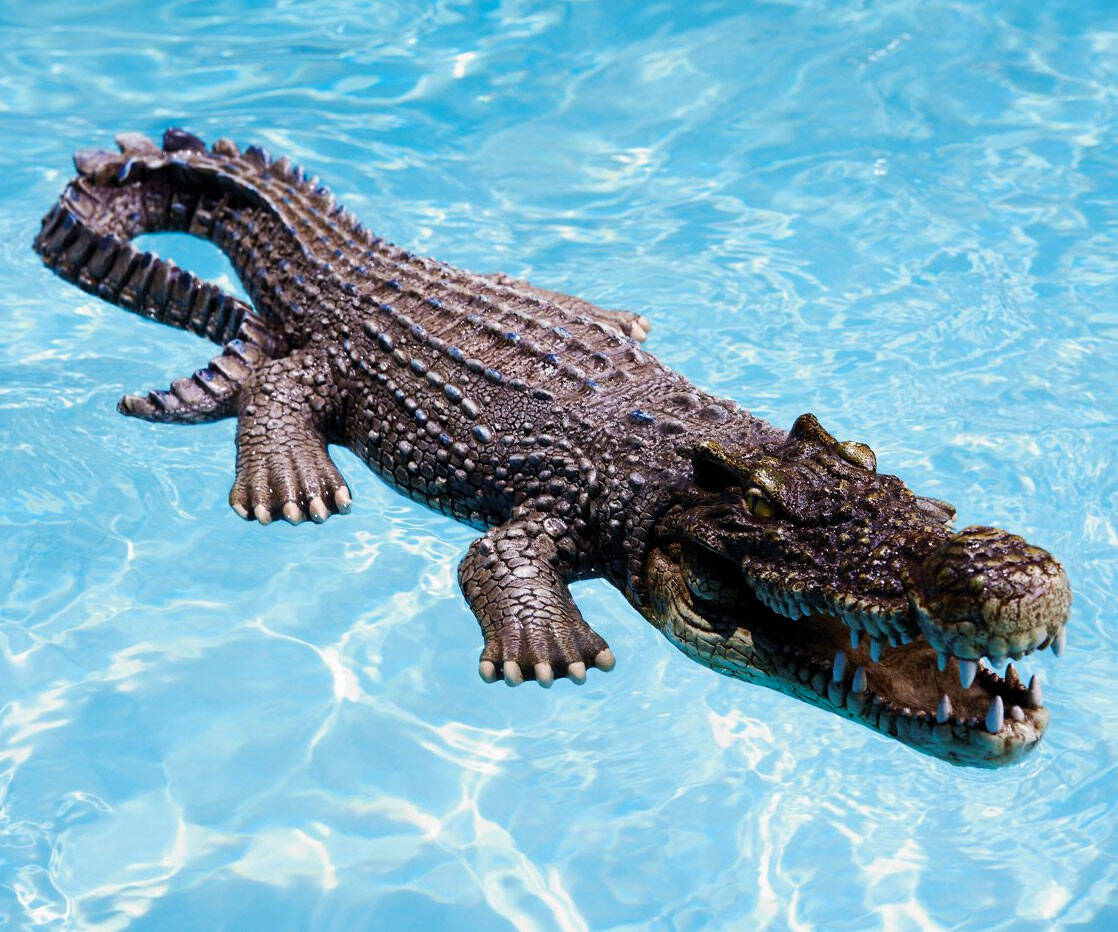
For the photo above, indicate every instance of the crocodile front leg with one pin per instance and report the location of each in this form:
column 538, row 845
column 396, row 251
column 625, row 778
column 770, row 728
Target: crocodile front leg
column 517, row 587
column 283, row 469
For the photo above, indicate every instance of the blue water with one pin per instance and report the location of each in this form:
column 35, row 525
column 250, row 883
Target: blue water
column 902, row 216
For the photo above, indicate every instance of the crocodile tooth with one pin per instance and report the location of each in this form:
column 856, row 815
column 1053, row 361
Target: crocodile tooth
column 1035, row 693
column 855, row 637
column 1012, row 680
column 995, row 716
column 875, row 650
column 1060, row 643
column 840, row 666
column 1017, row 713
column 893, row 642
column 941, row 661
column 998, row 663
column 968, row 669
column 859, row 684
column 943, row 710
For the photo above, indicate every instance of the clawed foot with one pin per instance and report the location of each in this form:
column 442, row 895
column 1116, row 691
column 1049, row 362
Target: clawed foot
column 291, row 485
column 516, row 585
column 544, row 672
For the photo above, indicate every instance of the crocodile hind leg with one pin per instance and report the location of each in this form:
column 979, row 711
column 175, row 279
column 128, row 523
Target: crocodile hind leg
column 283, row 468
column 514, row 583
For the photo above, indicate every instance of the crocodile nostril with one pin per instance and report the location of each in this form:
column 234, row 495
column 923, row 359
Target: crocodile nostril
column 988, row 592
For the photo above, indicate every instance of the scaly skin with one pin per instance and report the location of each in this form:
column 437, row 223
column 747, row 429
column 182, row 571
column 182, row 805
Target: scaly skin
column 780, row 558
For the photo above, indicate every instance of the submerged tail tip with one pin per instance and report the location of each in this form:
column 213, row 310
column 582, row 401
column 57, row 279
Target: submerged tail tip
column 136, row 406
column 159, row 405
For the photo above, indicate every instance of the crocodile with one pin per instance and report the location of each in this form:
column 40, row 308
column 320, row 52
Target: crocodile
column 782, row 558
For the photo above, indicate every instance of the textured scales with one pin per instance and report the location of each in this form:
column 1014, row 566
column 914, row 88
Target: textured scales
column 538, row 418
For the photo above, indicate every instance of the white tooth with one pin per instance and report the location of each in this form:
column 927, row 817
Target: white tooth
column 943, row 710
column 998, row 663
column 941, row 661
column 1017, row 713
column 840, row 666
column 1060, row 643
column 893, row 642
column 995, row 716
column 875, row 650
column 855, row 637
column 968, row 669
column 1036, row 698
column 859, row 684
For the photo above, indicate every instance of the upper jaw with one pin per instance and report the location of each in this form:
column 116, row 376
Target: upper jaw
column 987, row 592
column 981, row 593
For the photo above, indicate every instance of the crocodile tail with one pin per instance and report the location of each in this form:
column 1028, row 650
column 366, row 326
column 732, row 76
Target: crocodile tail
column 246, row 203
column 85, row 239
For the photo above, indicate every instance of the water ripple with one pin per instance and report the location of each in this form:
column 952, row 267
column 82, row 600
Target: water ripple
column 900, row 216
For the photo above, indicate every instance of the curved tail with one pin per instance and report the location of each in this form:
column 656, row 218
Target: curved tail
column 85, row 238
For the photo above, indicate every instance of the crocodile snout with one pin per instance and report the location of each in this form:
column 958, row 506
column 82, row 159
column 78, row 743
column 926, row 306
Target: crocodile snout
column 988, row 592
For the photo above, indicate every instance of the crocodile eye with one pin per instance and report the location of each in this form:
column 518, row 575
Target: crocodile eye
column 758, row 505
column 858, row 454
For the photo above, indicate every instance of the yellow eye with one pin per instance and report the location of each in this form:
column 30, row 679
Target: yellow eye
column 758, row 505
column 858, row 454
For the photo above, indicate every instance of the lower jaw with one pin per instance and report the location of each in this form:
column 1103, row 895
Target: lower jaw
column 751, row 656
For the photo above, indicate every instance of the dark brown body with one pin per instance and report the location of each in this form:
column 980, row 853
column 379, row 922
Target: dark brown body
column 529, row 414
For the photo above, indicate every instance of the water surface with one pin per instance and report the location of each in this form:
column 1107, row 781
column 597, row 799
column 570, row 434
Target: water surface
column 900, row 216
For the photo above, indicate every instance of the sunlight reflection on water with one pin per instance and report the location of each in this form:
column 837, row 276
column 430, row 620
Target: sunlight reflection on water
column 900, row 217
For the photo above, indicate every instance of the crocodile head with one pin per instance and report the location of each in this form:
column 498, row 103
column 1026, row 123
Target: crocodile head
column 797, row 565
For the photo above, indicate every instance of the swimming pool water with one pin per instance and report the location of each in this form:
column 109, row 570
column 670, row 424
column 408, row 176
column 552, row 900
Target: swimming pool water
column 902, row 216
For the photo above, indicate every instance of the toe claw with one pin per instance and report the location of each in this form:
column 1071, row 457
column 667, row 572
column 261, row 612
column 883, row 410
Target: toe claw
column 487, row 669
column 576, row 672
column 513, row 676
column 293, row 514
column 605, row 660
column 545, row 676
column 241, row 510
column 262, row 514
column 317, row 508
column 343, row 500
